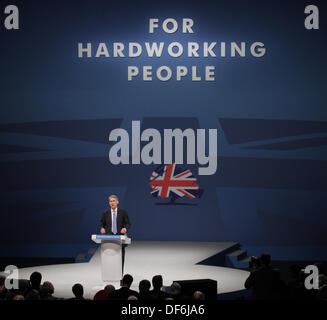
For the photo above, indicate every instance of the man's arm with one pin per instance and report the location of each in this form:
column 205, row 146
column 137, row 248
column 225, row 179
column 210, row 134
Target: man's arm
column 125, row 222
column 103, row 224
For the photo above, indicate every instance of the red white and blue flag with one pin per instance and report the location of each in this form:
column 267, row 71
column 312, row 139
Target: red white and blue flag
column 171, row 181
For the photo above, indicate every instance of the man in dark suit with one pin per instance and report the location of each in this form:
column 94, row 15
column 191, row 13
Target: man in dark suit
column 117, row 215
column 124, row 292
column 115, row 221
column 157, row 283
column 261, row 279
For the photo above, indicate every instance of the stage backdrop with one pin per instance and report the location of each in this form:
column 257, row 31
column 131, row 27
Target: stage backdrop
column 207, row 119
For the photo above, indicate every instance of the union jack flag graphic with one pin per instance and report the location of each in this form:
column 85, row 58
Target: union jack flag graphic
column 170, row 181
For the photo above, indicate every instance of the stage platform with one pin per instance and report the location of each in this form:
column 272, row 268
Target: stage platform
column 143, row 260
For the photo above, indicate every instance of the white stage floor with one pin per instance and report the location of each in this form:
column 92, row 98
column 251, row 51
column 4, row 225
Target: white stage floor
column 143, row 260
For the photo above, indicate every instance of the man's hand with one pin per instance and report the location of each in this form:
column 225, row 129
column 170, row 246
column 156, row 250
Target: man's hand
column 123, row 230
column 102, row 230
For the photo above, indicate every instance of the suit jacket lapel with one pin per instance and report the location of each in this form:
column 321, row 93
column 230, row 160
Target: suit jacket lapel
column 118, row 220
column 109, row 220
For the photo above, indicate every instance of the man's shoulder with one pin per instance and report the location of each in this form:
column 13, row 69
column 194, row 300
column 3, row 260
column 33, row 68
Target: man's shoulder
column 119, row 292
column 122, row 210
column 124, row 291
column 160, row 294
column 133, row 292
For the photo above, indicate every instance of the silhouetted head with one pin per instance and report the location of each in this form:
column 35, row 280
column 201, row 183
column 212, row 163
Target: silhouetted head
column 265, row 259
column 127, row 280
column 144, row 286
column 35, row 279
column 175, row 289
column 110, row 289
column 47, row 288
column 198, row 295
column 157, row 282
column 78, row 290
column 254, row 262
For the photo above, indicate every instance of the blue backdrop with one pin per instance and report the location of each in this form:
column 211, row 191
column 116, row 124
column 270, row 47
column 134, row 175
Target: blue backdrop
column 57, row 110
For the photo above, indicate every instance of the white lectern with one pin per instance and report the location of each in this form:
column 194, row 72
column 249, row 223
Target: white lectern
column 111, row 255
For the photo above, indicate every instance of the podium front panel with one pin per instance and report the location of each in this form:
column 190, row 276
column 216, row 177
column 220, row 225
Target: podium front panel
column 111, row 260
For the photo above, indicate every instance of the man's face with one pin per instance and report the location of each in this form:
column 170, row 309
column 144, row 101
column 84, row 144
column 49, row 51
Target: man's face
column 113, row 202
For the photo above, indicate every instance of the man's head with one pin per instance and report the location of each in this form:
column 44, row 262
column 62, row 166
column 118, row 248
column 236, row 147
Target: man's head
column 144, row 286
column 47, row 288
column 113, row 201
column 110, row 289
column 198, row 295
column 157, row 282
column 265, row 259
column 35, row 279
column 175, row 289
column 127, row 280
column 78, row 290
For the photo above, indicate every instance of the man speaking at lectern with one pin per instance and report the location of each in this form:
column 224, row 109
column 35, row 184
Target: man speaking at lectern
column 114, row 220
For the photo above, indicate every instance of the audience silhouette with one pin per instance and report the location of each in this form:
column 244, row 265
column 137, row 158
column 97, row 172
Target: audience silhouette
column 111, row 291
column 261, row 279
column 157, row 291
column 144, row 291
column 264, row 281
column 176, row 292
column 124, row 291
column 35, row 282
column 78, row 292
column 47, row 290
column 198, row 295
